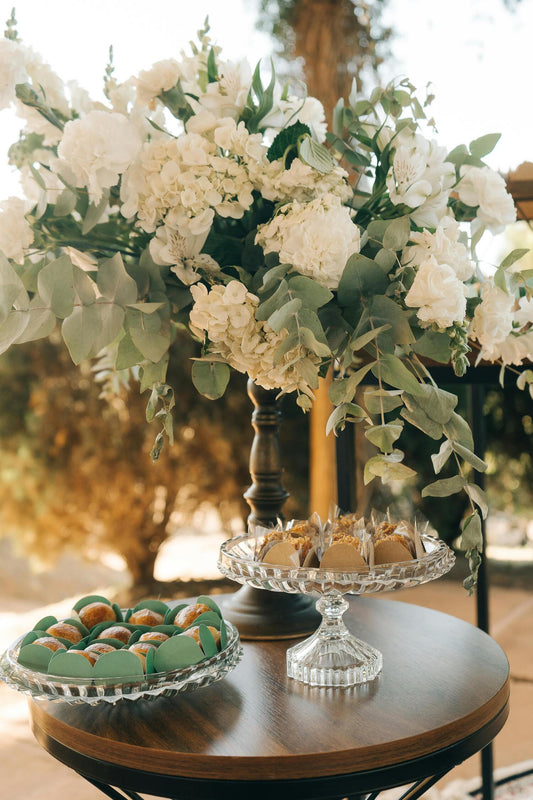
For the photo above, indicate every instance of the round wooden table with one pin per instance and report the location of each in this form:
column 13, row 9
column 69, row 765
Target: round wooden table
column 442, row 696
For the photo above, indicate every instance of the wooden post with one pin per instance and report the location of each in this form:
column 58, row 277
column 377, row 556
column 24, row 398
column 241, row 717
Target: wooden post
column 323, row 477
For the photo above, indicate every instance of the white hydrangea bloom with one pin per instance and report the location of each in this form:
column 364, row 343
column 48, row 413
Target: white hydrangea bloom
column 184, row 182
column 420, row 177
column 182, row 253
column 484, row 189
column 16, row 234
column 493, row 317
column 300, row 182
column 443, row 245
column 317, row 238
column 12, row 70
column 437, row 294
column 226, row 315
column 96, row 149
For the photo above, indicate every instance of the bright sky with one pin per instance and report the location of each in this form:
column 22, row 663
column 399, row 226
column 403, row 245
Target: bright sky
column 476, row 54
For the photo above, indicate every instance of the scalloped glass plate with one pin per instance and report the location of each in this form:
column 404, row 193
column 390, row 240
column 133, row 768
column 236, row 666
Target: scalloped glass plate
column 237, row 561
column 332, row 656
column 77, row 690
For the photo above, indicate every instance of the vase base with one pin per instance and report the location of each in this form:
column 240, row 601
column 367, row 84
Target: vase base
column 343, row 661
column 260, row 614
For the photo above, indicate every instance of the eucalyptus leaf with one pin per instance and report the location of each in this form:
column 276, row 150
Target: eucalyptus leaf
column 397, row 233
column 153, row 346
column 11, row 287
column 361, row 276
column 342, row 390
column 384, row 436
column 281, row 317
column 311, row 293
column 472, row 534
column 84, row 286
column 65, row 203
column 484, row 144
column 458, row 430
column 513, row 256
column 438, row 404
column 79, row 331
column 114, row 282
column 394, row 372
column 41, row 322
column 95, row 213
column 347, row 412
column 309, row 340
column 150, row 373
column 479, row 497
column 440, row 459
column 434, row 345
column 388, row 468
column 386, row 259
column 469, row 457
column 419, row 419
column 12, row 328
column 358, row 342
column 275, row 301
column 127, row 354
column 288, row 343
column 378, row 400
column 111, row 323
column 386, row 311
column 210, row 378
column 55, row 284
column 445, row 487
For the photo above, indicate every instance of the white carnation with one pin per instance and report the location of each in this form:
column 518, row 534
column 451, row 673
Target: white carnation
column 316, row 238
column 493, row 317
column 443, row 245
column 420, row 177
column 12, row 70
column 511, row 350
column 161, row 77
column 15, row 232
column 96, row 149
column 484, row 189
column 437, row 294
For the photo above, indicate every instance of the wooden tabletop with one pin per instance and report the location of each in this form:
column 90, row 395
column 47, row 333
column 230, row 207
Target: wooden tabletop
column 444, row 690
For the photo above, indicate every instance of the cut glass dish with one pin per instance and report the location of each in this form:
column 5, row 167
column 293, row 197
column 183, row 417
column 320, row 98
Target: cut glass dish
column 332, row 656
column 109, row 690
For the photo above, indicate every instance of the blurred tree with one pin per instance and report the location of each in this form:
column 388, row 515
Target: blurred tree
column 332, row 42
column 76, row 472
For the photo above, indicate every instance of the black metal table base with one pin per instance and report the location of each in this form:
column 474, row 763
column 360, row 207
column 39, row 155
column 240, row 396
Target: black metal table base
column 412, row 793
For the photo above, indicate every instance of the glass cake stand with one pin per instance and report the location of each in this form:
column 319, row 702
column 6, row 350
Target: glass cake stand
column 332, row 656
column 41, row 685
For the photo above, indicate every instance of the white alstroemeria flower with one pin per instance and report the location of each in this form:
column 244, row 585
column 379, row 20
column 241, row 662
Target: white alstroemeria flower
column 493, row 317
column 16, row 234
column 96, row 149
column 317, row 238
column 12, row 70
column 484, row 189
column 226, row 97
column 283, row 113
column 437, row 294
column 182, row 253
column 443, row 245
column 420, row 177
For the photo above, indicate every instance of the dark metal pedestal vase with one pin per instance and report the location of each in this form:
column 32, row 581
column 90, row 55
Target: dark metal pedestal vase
column 259, row 614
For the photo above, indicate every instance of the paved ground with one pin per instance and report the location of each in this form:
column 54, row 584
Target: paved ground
column 33, row 775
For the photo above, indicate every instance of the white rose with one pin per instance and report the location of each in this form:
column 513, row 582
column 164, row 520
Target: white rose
column 15, row 232
column 493, row 317
column 438, row 294
column 317, row 238
column 96, row 149
column 484, row 189
column 443, row 245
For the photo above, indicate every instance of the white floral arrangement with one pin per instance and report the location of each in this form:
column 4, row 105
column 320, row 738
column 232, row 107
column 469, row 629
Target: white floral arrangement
column 200, row 195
